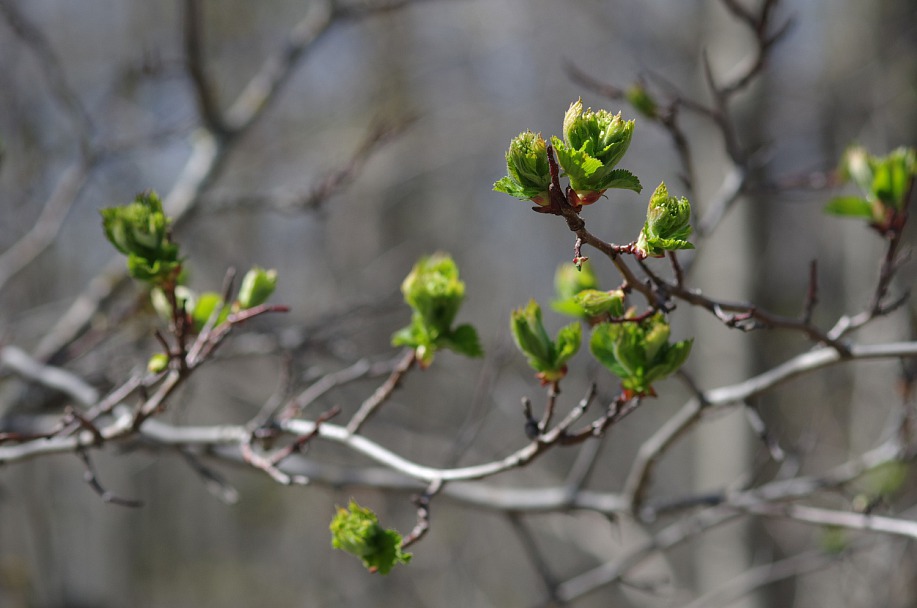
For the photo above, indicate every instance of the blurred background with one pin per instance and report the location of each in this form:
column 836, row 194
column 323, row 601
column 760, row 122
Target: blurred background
column 462, row 77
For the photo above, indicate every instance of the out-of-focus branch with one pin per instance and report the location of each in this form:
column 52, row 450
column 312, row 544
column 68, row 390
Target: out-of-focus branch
column 842, row 519
column 765, row 574
column 194, row 55
column 71, row 182
column 61, row 90
column 658, row 443
column 331, row 184
column 207, row 156
column 49, row 222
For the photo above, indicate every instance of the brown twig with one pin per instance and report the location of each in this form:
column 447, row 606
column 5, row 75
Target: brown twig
column 194, row 56
column 91, row 477
column 422, row 502
column 383, row 393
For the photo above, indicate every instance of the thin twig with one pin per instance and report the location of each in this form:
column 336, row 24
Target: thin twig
column 383, row 393
column 91, row 477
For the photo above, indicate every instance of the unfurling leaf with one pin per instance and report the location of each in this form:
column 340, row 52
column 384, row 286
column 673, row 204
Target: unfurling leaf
column 638, row 352
column 595, row 303
column 529, row 175
column 356, row 530
column 140, row 230
column 257, row 286
column 568, row 282
column 885, row 182
column 434, row 292
column 546, row 356
column 594, row 143
column 667, row 226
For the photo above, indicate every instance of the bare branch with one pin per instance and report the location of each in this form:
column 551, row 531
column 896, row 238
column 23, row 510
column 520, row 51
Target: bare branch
column 382, row 394
column 46, row 228
column 194, row 57
column 92, row 478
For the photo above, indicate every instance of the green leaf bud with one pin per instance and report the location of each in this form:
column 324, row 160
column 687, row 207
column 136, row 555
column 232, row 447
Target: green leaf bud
column 257, row 286
column 529, row 175
column 206, row 304
column 357, row 531
column 568, row 282
column 884, row 181
column 530, row 335
column 435, row 293
column 594, row 143
column 547, row 357
column 434, row 290
column 667, row 226
column 595, row 302
column 140, row 230
column 158, row 363
column 184, row 297
column 638, row 352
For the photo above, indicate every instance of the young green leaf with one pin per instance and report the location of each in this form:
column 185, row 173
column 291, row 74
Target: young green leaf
column 357, row 531
column 529, row 175
column 257, row 286
column 885, row 183
column 435, row 293
column 638, row 352
column 850, row 206
column 547, row 357
column 594, row 143
column 595, row 303
column 667, row 226
column 140, row 230
column 568, row 282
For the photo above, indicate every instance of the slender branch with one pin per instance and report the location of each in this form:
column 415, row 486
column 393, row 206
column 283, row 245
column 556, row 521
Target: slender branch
column 48, row 225
column 383, row 393
column 91, row 477
column 61, row 90
column 763, row 575
column 207, row 157
column 830, row 517
column 658, row 443
column 194, row 56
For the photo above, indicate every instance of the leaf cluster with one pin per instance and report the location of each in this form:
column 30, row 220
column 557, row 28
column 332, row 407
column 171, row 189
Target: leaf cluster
column 639, row 352
column 883, row 181
column 546, row 356
column 594, row 143
column 357, row 531
column 140, row 230
column 434, row 292
column 667, row 226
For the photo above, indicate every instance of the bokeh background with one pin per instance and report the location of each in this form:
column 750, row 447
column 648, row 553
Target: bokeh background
column 470, row 74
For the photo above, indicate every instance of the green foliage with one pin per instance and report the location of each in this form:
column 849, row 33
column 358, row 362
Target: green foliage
column 203, row 308
column 257, row 286
column 667, row 226
column 356, row 530
column 547, row 357
column 568, row 282
column 638, row 352
column 595, row 303
column 435, row 293
column 594, row 143
column 529, row 175
column 885, row 183
column 140, row 230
